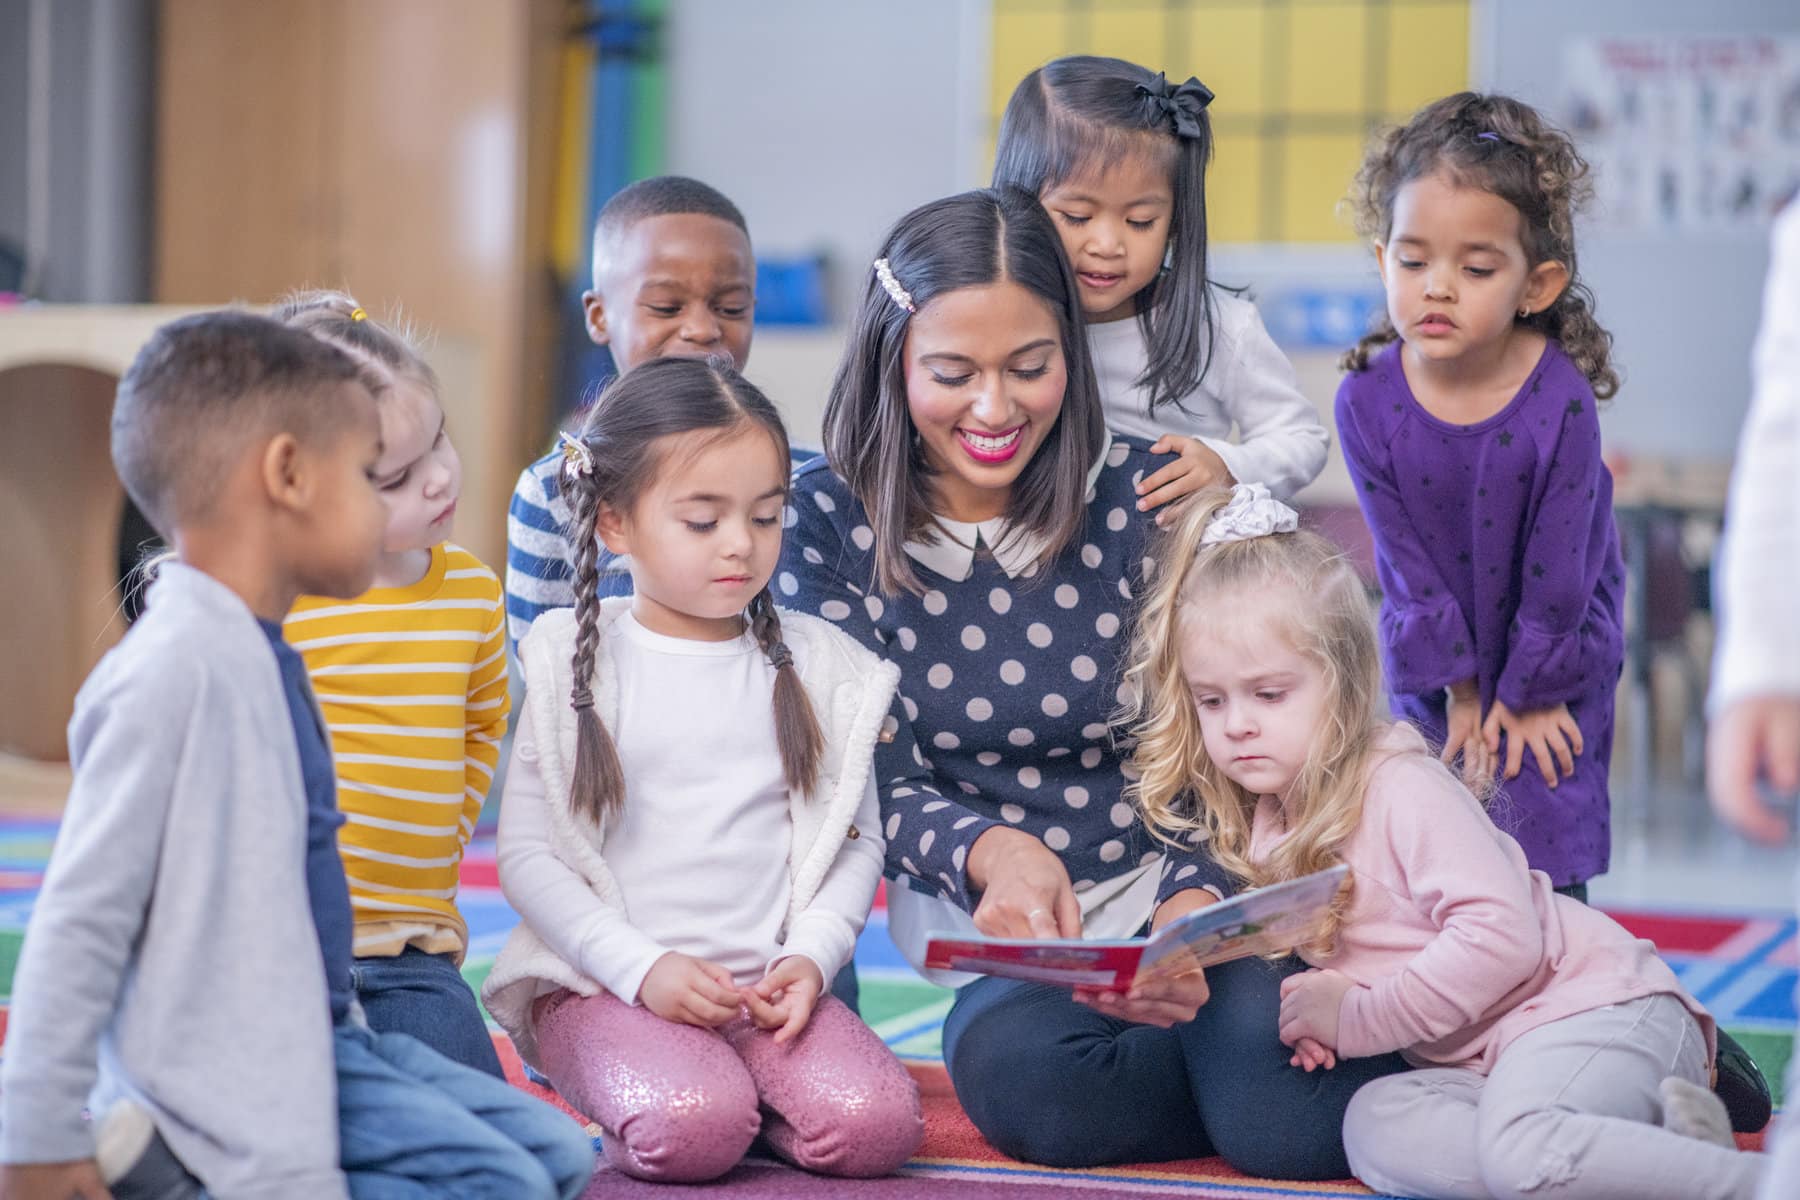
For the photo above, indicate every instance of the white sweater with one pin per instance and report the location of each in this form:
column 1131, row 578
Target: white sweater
column 712, row 855
column 1759, row 564
column 1249, row 384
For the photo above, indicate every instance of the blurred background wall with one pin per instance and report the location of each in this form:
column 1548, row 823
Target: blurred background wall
column 444, row 159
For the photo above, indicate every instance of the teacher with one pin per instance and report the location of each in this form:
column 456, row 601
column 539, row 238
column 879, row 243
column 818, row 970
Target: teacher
column 973, row 522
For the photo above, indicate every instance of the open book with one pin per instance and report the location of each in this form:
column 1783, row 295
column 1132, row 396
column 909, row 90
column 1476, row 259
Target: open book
column 1263, row 921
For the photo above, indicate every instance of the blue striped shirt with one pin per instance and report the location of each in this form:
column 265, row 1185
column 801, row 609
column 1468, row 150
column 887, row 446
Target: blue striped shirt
column 540, row 554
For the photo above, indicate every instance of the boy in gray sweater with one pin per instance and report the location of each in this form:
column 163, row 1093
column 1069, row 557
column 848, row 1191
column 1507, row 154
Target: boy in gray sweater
column 185, row 977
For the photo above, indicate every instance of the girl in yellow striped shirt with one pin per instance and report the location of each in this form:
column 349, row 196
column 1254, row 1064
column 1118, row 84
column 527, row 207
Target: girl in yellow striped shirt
column 411, row 676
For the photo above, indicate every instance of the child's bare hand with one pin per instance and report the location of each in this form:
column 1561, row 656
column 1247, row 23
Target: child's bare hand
column 690, row 991
column 1756, row 739
column 53, row 1181
column 1310, row 1002
column 784, row 999
column 1552, row 734
column 1310, row 1056
column 1465, row 737
column 1196, row 466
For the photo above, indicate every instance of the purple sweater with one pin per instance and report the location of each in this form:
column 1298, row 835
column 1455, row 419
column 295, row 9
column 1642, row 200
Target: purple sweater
column 1499, row 561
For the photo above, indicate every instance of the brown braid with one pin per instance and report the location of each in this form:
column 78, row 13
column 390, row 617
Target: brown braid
column 1501, row 146
column 796, row 726
column 626, row 435
column 597, row 787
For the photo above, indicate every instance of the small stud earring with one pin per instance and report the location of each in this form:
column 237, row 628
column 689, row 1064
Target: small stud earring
column 1525, row 313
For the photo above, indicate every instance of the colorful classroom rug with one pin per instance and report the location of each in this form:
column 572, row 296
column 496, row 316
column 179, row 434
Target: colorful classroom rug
column 1742, row 966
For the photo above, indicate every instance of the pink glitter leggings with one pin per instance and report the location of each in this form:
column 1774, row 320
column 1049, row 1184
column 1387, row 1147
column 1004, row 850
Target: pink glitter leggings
column 681, row 1104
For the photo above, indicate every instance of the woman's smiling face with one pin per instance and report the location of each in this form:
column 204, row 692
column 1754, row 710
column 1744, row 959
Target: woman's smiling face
column 985, row 375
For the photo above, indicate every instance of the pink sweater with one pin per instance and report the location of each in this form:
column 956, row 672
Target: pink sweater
column 1456, row 946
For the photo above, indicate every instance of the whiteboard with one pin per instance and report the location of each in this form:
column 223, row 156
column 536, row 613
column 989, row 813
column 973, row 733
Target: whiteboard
column 1682, row 306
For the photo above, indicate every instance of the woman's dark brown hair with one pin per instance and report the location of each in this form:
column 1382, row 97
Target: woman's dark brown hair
column 625, row 436
column 1501, row 146
column 970, row 240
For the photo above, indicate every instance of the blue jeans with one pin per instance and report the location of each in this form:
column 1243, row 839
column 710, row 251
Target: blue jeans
column 1050, row 1081
column 846, row 988
column 413, row 1124
column 424, row 996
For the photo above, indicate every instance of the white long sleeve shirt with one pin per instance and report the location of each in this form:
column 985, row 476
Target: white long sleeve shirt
column 1249, row 386
column 700, row 851
column 1759, row 564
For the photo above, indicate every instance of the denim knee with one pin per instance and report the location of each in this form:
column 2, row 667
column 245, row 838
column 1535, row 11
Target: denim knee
column 1276, row 1149
column 425, row 997
column 1027, row 1103
column 568, row 1156
column 506, row 1172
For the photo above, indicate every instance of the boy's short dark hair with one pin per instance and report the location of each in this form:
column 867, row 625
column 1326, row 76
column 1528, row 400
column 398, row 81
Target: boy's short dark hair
column 205, row 386
column 661, row 196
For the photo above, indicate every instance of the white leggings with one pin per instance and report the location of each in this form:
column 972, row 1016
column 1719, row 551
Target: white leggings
column 1571, row 1110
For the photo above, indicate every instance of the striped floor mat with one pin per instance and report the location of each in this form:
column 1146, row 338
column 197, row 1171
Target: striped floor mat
column 1742, row 966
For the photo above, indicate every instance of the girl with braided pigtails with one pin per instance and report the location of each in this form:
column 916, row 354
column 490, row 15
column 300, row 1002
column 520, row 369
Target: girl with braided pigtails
column 690, row 829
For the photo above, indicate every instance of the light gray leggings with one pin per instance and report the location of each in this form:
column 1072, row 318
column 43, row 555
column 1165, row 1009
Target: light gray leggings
column 1571, row 1110
column 1782, row 1182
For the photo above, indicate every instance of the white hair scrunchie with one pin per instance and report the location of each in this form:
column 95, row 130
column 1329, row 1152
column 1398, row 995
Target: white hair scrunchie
column 1251, row 512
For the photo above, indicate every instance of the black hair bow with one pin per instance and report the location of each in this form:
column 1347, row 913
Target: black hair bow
column 1181, row 104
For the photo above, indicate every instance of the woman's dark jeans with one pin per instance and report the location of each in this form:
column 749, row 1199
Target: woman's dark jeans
column 1047, row 1080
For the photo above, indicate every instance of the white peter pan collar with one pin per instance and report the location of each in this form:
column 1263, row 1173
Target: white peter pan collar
column 953, row 554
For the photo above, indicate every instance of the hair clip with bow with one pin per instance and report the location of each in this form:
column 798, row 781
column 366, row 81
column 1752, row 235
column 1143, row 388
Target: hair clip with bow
column 1181, row 103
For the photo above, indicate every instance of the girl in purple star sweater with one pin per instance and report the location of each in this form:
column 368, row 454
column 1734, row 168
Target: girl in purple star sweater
column 1468, row 422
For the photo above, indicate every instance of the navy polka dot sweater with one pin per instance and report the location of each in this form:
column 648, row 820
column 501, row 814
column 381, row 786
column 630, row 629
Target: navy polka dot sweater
column 1006, row 687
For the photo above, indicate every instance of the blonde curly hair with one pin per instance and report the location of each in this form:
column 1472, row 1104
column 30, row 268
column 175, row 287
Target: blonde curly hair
column 1304, row 582
column 1501, row 146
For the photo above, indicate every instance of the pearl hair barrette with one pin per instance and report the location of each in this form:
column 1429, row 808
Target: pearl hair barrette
column 901, row 296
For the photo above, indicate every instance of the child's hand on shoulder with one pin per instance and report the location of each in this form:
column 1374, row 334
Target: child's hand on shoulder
column 1196, row 466
column 689, row 991
column 78, row 1180
column 1310, row 1002
column 784, row 999
column 1552, row 734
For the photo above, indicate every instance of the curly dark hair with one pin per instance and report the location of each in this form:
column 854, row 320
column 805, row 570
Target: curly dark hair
column 1503, row 146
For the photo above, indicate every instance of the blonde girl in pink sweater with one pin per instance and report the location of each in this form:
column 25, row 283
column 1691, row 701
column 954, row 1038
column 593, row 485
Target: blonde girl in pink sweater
column 1557, row 1055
